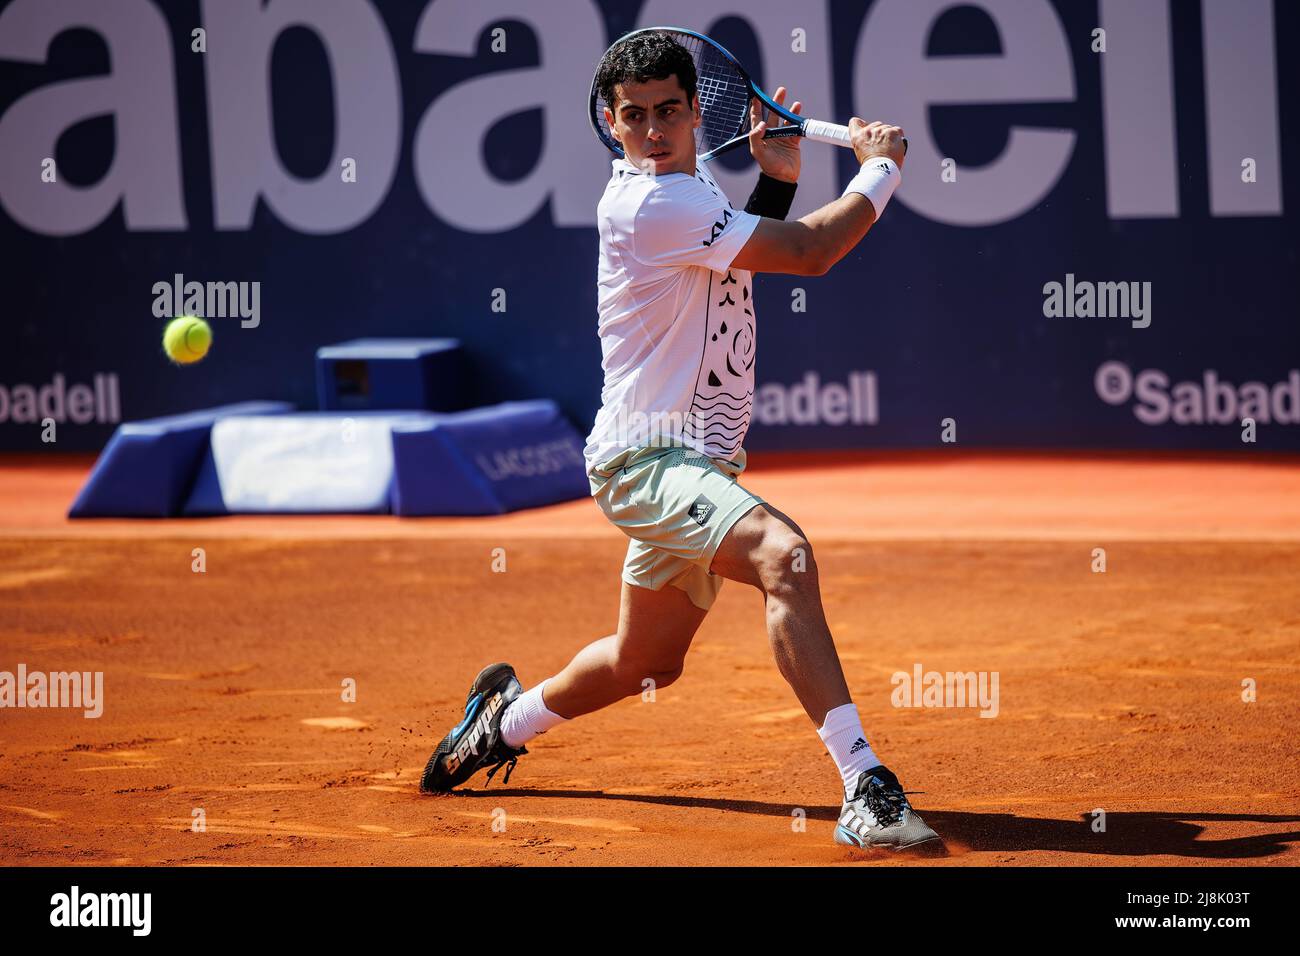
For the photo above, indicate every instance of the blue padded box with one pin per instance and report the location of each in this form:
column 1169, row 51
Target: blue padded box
column 147, row 467
column 388, row 374
column 487, row 461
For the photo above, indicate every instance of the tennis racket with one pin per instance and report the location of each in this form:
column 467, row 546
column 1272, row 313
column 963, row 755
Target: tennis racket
column 725, row 92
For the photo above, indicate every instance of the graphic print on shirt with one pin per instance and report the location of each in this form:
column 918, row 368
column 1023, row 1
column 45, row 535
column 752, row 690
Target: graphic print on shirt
column 723, row 391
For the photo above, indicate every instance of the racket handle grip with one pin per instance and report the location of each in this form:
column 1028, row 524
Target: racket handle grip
column 832, row 133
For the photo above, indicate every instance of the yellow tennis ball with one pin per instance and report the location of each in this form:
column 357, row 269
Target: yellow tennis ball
column 186, row 339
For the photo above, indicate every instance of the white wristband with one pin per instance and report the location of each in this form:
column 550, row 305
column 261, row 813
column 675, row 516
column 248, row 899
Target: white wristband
column 877, row 180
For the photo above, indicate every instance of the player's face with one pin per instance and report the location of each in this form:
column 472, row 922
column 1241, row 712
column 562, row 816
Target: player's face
column 655, row 125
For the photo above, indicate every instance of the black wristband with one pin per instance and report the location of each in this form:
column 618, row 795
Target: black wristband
column 771, row 197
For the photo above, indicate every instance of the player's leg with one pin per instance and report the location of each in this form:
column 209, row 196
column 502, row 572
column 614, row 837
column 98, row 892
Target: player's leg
column 653, row 497
column 655, row 629
column 767, row 550
column 656, row 625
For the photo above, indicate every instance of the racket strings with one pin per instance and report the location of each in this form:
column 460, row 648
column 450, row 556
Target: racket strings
column 723, row 92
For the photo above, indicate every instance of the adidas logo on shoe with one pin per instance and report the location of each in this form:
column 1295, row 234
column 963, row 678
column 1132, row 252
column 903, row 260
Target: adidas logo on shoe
column 858, row 822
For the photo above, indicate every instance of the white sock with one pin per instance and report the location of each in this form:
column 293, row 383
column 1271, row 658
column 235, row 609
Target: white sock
column 526, row 717
column 843, row 736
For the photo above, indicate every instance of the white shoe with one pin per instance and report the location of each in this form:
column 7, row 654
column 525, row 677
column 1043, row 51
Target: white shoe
column 879, row 815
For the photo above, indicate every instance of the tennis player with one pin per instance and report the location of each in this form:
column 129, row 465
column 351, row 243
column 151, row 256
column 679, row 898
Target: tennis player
column 677, row 333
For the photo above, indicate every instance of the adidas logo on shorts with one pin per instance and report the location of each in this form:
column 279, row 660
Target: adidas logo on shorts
column 701, row 510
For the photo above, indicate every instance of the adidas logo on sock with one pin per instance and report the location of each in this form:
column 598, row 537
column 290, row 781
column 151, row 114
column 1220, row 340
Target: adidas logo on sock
column 858, row 744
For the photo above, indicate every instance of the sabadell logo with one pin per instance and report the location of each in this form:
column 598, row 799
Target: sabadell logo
column 79, row 404
column 1208, row 400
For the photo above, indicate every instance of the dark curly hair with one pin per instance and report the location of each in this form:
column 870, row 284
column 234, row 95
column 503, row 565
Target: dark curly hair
column 642, row 57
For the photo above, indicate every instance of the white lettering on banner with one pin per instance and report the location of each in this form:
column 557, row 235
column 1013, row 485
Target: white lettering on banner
column 1137, row 109
column 1210, row 401
column 367, row 113
column 139, row 93
column 892, row 79
column 530, row 461
column 811, row 403
column 1241, row 106
column 571, row 169
column 79, row 404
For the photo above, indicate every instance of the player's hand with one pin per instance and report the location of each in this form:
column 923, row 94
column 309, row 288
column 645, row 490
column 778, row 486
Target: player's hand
column 876, row 139
column 779, row 158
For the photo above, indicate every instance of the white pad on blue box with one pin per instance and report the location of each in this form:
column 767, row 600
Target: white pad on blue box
column 306, row 463
column 149, row 467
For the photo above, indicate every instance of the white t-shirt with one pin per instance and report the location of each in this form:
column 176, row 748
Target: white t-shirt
column 676, row 323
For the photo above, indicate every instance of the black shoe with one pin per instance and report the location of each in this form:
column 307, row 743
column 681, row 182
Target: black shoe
column 476, row 741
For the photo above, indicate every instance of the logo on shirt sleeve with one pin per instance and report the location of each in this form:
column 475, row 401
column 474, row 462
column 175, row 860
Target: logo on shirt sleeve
column 718, row 227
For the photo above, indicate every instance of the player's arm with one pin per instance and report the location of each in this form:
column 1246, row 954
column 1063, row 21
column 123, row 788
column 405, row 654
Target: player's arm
column 814, row 243
column 811, row 245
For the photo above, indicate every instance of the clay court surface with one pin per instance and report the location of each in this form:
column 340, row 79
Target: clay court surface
column 1119, row 691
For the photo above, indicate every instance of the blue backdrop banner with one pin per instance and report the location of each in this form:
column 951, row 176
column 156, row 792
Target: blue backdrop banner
column 1092, row 245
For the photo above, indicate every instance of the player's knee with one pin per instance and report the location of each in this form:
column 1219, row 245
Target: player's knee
column 637, row 676
column 658, row 679
column 785, row 563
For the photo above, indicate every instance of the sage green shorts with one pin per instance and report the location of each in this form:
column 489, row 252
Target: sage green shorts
column 676, row 505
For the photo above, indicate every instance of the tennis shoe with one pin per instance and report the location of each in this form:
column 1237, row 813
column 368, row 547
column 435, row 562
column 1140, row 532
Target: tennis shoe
column 476, row 741
column 878, row 815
